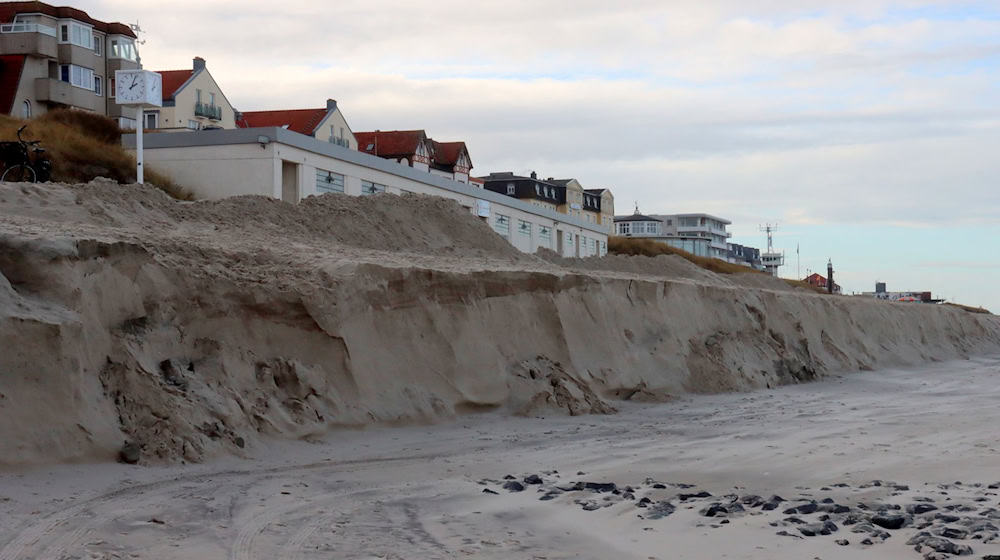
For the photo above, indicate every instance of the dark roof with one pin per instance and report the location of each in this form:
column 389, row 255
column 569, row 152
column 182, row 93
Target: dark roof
column 10, row 9
column 10, row 77
column 598, row 192
column 172, row 81
column 303, row 121
column 636, row 218
column 390, row 143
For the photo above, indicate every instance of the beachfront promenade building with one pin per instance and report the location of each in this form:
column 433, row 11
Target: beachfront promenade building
column 744, row 255
column 192, row 100
column 59, row 57
column 699, row 234
column 284, row 164
column 567, row 196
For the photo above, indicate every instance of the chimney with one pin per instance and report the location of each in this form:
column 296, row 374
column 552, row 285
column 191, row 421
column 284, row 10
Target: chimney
column 331, row 105
column 534, row 175
column 199, row 63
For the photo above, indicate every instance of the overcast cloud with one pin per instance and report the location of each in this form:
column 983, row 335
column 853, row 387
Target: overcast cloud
column 843, row 113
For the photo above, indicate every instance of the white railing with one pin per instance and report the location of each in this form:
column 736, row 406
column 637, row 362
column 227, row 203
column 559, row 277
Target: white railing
column 28, row 28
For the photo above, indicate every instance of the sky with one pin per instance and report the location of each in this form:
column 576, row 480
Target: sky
column 867, row 130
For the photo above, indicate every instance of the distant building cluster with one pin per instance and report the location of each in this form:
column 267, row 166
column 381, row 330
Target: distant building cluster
column 919, row 296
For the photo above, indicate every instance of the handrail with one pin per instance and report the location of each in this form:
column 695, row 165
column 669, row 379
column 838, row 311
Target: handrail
column 28, row 28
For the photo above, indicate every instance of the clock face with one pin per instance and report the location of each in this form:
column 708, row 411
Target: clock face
column 138, row 87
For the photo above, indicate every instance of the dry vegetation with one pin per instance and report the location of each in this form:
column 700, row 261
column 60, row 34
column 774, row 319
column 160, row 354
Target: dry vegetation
column 969, row 308
column 83, row 146
column 650, row 248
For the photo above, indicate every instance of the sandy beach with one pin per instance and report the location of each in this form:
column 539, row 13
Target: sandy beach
column 418, row 492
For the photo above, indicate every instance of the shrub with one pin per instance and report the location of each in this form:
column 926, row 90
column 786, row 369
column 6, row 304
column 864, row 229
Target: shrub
column 651, row 248
column 81, row 149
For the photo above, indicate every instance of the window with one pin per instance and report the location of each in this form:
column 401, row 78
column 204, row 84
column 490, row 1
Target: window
column 604, row 248
column 625, row 228
column 150, row 120
column 328, row 181
column 368, row 187
column 502, row 226
column 76, row 34
column 545, row 235
column 511, row 189
column 211, row 99
column 197, row 95
column 524, row 227
column 98, row 45
column 98, row 85
column 77, row 75
column 111, row 87
column 194, row 125
column 26, row 109
column 538, row 190
column 122, row 47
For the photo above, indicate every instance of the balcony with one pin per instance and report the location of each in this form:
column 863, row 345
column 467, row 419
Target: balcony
column 213, row 112
column 340, row 142
column 28, row 38
column 54, row 91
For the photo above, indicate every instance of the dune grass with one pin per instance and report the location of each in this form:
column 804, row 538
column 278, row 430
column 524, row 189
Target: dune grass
column 969, row 308
column 651, row 248
column 83, row 146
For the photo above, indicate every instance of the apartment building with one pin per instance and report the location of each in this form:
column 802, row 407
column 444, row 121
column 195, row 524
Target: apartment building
column 59, row 57
column 192, row 100
column 281, row 163
column 744, row 255
column 572, row 202
column 535, row 191
column 325, row 123
column 699, row 234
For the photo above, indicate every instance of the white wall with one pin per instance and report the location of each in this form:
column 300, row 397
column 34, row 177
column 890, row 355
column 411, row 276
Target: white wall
column 218, row 171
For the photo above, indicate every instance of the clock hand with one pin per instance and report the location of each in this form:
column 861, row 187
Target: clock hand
column 134, row 83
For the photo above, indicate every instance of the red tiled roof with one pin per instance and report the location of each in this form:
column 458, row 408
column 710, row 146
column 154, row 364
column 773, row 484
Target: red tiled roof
column 303, row 121
column 446, row 153
column 10, row 9
column 390, row 143
column 10, row 77
column 172, row 81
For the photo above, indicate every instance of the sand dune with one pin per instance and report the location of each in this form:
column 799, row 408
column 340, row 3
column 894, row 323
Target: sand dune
column 196, row 330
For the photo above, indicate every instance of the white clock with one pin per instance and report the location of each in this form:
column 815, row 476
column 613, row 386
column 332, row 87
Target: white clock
column 139, row 88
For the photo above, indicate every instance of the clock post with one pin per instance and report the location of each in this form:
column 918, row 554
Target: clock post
column 139, row 89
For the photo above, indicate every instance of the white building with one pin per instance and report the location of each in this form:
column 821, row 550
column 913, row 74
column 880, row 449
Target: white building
column 290, row 166
column 699, row 234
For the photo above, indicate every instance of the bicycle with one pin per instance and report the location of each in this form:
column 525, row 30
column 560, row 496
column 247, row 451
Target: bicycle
column 18, row 164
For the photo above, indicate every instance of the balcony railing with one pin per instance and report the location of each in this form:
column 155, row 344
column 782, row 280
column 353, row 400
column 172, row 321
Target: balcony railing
column 28, row 28
column 213, row 112
column 340, row 141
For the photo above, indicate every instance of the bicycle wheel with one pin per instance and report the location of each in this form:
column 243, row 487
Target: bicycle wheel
column 19, row 173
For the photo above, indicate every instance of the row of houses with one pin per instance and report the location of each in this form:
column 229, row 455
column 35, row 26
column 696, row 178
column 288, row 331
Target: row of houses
column 59, row 57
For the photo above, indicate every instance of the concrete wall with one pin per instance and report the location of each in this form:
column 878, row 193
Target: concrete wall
column 218, row 164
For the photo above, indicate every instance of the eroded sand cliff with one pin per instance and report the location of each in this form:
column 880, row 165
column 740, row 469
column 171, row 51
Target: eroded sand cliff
column 195, row 329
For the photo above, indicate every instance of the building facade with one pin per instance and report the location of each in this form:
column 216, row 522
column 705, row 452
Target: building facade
column 327, row 123
column 699, row 234
column 599, row 207
column 746, row 256
column 283, row 164
column 535, row 191
column 817, row 280
column 192, row 100
column 60, row 57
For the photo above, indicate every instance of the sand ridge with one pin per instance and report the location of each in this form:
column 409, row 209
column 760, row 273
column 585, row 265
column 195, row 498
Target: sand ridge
column 198, row 330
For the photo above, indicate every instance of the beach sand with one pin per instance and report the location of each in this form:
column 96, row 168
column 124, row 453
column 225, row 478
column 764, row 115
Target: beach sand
column 417, row 492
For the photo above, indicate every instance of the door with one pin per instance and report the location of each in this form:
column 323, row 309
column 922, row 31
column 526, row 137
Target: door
column 559, row 242
column 289, row 182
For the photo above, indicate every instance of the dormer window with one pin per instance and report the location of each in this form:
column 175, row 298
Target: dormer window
column 511, row 189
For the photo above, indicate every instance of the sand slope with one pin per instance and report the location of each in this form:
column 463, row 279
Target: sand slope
column 196, row 329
